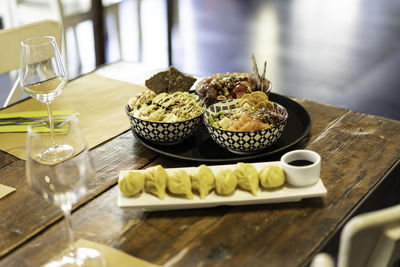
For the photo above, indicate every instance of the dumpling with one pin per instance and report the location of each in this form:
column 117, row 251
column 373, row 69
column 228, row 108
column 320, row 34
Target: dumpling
column 130, row 182
column 247, row 176
column 155, row 181
column 272, row 176
column 225, row 182
column 203, row 180
column 179, row 183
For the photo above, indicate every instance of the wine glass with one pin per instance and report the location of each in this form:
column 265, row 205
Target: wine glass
column 43, row 77
column 62, row 182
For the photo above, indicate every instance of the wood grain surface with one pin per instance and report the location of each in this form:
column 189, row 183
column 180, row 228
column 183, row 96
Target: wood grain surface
column 357, row 150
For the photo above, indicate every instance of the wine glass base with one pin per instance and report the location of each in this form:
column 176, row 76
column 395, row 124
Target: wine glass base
column 87, row 257
column 57, row 153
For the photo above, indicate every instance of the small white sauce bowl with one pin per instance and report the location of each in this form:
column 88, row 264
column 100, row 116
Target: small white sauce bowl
column 301, row 175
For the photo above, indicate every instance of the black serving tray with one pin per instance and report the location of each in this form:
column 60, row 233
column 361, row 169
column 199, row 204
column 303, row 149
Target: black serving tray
column 201, row 148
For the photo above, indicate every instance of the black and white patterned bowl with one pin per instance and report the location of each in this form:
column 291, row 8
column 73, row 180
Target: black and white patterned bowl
column 243, row 142
column 163, row 133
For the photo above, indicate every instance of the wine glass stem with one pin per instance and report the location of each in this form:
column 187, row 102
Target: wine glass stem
column 51, row 123
column 70, row 232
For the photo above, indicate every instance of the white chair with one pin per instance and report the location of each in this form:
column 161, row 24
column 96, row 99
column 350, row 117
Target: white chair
column 10, row 50
column 73, row 12
column 368, row 240
column 69, row 12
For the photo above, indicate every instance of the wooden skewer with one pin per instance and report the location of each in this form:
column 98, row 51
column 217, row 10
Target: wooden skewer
column 255, row 69
column 263, row 75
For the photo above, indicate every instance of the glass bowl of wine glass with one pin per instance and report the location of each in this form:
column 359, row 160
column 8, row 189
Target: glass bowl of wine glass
column 43, row 77
column 63, row 182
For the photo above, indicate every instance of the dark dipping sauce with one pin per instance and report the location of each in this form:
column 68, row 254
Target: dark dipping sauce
column 300, row 162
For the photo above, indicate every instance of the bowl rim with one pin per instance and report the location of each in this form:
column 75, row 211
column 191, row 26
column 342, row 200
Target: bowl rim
column 205, row 120
column 127, row 110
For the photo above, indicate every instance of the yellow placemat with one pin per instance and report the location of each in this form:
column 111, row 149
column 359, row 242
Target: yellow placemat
column 100, row 102
column 5, row 190
column 23, row 127
column 113, row 256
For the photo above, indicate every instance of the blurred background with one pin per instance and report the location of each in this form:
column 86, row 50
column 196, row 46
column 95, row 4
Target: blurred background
column 343, row 53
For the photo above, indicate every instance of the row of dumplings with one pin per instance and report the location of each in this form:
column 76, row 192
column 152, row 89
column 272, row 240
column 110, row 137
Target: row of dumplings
column 155, row 180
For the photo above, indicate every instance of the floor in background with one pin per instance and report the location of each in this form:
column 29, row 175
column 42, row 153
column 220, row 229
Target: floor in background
column 344, row 53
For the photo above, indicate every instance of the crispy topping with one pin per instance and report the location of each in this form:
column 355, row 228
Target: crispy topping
column 170, row 81
column 252, row 112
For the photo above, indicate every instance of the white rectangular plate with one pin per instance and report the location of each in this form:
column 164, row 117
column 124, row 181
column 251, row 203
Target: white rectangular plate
column 286, row 193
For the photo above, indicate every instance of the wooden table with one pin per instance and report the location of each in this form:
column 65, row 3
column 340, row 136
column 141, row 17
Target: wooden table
column 357, row 150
